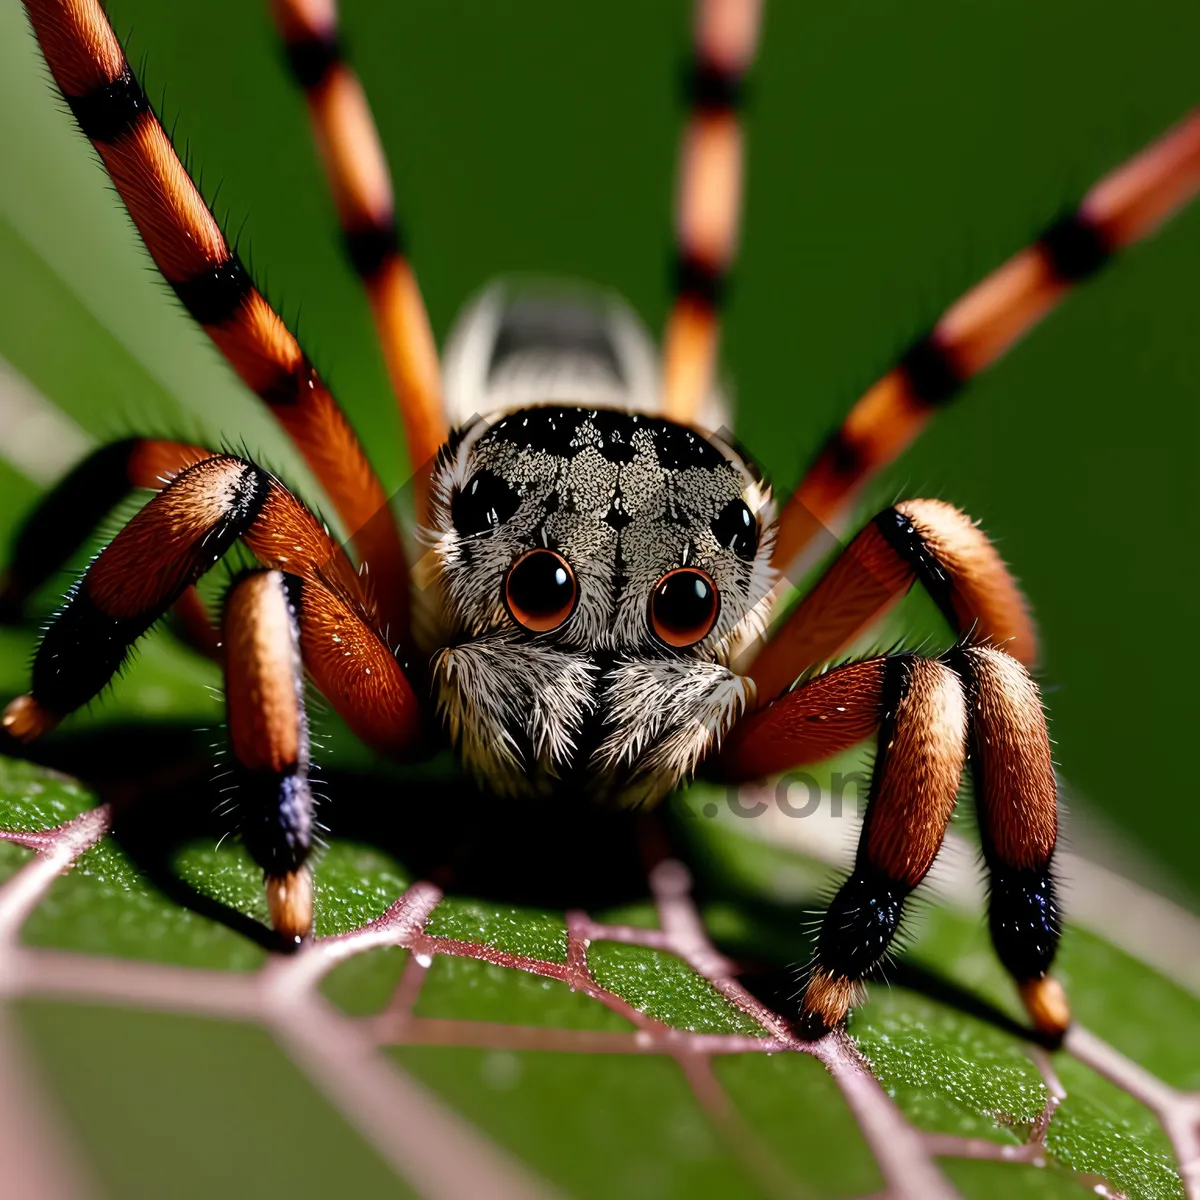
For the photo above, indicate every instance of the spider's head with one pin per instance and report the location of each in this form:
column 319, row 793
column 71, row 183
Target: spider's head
column 596, row 569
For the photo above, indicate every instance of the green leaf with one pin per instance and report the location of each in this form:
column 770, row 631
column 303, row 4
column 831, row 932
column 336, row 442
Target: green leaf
column 590, row 1116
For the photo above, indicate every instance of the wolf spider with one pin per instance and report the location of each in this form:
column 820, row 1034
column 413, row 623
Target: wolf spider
column 602, row 561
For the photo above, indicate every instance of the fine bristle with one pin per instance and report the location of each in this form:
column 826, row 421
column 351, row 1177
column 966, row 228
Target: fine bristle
column 828, row 999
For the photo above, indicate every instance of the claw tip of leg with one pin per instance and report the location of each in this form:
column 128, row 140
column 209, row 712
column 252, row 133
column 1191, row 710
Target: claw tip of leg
column 828, row 999
column 1046, row 1003
column 290, row 903
column 25, row 719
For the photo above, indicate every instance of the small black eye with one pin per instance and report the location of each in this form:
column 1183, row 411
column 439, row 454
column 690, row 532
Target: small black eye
column 683, row 607
column 540, row 590
column 735, row 528
column 483, row 503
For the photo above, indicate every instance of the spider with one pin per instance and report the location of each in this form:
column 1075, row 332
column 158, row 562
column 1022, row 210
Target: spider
column 597, row 608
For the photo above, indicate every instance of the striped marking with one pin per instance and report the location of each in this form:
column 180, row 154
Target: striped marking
column 166, row 548
column 354, row 162
column 926, row 541
column 920, row 752
column 112, row 110
column 708, row 207
column 1129, row 204
column 187, row 245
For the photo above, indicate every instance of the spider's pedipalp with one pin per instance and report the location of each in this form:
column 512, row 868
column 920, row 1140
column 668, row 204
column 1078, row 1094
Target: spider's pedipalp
column 187, row 245
column 354, row 162
column 1127, row 205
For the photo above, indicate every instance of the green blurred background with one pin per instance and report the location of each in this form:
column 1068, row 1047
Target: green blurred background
column 896, row 152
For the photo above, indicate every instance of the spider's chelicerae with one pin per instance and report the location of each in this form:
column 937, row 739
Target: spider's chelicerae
column 594, row 615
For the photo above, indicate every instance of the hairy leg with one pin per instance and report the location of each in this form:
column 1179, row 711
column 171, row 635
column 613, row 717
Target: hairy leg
column 268, row 741
column 925, row 541
column 725, row 36
column 352, row 154
column 927, row 715
column 187, row 245
column 68, row 514
column 1124, row 207
column 178, row 536
column 1017, row 801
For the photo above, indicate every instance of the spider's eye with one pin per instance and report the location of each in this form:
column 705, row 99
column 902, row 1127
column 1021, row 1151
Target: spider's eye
column 484, row 502
column 735, row 528
column 683, row 607
column 540, row 590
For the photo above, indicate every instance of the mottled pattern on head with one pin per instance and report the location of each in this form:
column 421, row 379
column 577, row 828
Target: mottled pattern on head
column 624, row 498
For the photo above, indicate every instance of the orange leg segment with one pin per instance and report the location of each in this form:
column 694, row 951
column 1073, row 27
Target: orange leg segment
column 187, row 245
column 67, row 515
column 178, row 536
column 1124, row 207
column 926, row 715
column 916, row 540
column 268, row 742
column 709, row 198
column 352, row 154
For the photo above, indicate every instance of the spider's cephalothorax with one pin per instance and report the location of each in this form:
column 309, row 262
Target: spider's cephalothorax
column 596, row 570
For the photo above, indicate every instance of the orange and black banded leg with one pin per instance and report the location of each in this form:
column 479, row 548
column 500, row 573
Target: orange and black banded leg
column 915, row 541
column 354, row 162
column 917, row 706
column 927, row 715
column 1017, row 803
column 708, row 205
column 67, row 516
column 919, row 758
column 1124, row 207
column 268, row 742
column 188, row 247
column 167, row 546
column 275, row 627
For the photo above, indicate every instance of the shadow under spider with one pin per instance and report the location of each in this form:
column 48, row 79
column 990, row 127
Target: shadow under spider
column 432, row 818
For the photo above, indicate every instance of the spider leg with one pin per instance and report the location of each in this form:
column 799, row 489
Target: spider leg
column 274, row 626
column 916, row 540
column 167, row 546
column 1127, row 205
column 1017, row 802
column 67, row 515
column 187, row 245
column 268, row 741
column 725, row 36
column 927, row 713
column 353, row 157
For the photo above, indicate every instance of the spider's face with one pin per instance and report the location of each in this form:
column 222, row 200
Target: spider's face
column 595, row 571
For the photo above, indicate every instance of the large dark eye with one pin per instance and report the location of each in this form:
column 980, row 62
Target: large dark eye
column 735, row 528
column 540, row 590
column 683, row 607
column 484, row 502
